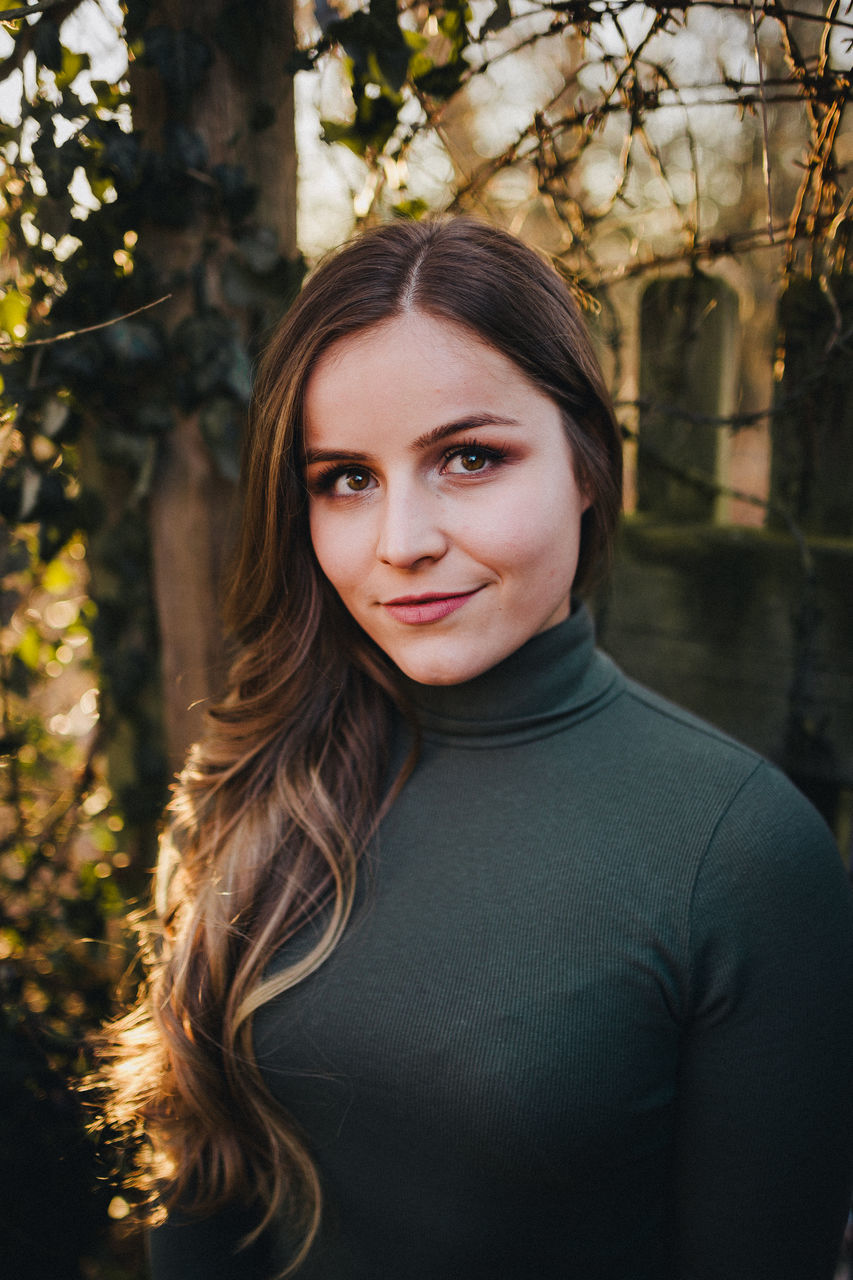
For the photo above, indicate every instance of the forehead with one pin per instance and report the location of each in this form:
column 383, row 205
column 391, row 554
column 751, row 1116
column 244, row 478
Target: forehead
column 412, row 368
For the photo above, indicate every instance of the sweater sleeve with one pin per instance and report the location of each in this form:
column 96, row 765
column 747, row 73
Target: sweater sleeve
column 765, row 1131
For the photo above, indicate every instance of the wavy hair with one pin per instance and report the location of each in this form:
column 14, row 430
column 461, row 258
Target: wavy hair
column 280, row 798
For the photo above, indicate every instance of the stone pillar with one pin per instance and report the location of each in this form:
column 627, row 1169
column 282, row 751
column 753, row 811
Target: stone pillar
column 811, row 474
column 688, row 369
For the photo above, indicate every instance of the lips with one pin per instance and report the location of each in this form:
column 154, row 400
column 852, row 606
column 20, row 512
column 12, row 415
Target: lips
column 416, row 610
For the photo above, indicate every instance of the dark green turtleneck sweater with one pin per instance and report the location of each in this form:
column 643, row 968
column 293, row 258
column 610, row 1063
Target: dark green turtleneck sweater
column 594, row 1017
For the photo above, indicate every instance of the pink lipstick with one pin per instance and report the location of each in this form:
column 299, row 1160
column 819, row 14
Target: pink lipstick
column 426, row 608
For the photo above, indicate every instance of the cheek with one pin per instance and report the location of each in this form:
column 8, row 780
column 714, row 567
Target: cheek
column 330, row 549
column 539, row 536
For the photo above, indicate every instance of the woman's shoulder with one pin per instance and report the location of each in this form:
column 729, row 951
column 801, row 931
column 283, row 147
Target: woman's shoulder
column 745, row 801
column 677, row 728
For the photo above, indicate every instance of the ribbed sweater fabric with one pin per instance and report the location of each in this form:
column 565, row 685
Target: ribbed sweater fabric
column 593, row 1019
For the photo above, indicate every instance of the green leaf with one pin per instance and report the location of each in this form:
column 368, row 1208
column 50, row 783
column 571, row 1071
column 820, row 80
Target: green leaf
column 221, row 421
column 239, row 196
column 9, row 602
column 415, row 41
column 57, row 164
column 14, row 309
column 57, row 578
column 54, row 215
column 269, row 290
column 154, row 417
column 72, row 65
column 133, row 344
column 18, row 679
column 499, row 18
column 258, row 246
column 121, row 153
column 109, row 96
column 47, row 45
column 413, row 209
column 181, row 57
column 442, row 82
column 28, row 648
column 211, row 358
column 123, row 448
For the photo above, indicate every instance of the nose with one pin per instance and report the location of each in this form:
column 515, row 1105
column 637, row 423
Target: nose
column 411, row 528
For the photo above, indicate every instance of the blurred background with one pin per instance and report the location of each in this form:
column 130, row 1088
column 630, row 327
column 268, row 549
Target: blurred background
column 170, row 169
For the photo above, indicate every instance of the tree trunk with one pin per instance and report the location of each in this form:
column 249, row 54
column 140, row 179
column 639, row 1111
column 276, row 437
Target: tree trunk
column 238, row 116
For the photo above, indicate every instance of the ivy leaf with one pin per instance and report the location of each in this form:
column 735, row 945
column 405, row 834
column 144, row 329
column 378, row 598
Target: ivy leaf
column 274, row 288
column 236, row 32
column 30, row 485
column 185, row 149
column 158, row 198
column 442, row 82
column 72, row 65
column 57, row 164
column 42, row 496
column 47, row 45
column 301, row 60
column 79, row 359
column 325, row 16
column 116, row 152
column 412, row 209
column 212, row 358
column 499, row 18
column 28, row 648
column 376, row 45
column 55, row 215
column 375, row 121
column 125, row 449
column 221, row 423
column 239, row 196
column 258, row 247
column 182, row 59
column 132, row 344
column 109, row 96
column 14, row 309
column 54, row 415
column 18, row 676
column 154, row 417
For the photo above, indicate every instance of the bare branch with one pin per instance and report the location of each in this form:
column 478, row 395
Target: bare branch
column 11, row 15
column 764, row 124
column 6, row 345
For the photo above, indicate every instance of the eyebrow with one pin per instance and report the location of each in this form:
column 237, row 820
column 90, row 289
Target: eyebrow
column 471, row 422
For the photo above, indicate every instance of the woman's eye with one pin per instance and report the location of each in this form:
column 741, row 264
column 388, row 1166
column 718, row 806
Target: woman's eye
column 469, row 460
column 355, row 481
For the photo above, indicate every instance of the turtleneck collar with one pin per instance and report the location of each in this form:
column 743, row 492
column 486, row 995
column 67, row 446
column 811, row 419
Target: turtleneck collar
column 557, row 676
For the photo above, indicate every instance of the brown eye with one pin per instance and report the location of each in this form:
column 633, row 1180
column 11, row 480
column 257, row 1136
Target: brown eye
column 468, row 459
column 357, row 480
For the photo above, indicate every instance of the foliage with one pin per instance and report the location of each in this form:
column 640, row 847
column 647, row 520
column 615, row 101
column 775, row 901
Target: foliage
column 87, row 405
column 95, row 375
column 410, row 69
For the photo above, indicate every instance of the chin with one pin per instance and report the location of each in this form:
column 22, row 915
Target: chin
column 446, row 670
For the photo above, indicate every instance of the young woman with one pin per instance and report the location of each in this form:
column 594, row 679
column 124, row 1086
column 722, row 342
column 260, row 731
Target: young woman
column 476, row 960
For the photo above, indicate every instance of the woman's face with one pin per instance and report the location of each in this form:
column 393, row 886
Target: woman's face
column 444, row 508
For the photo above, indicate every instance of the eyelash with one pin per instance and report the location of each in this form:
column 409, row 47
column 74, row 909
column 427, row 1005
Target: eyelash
column 324, row 481
column 491, row 453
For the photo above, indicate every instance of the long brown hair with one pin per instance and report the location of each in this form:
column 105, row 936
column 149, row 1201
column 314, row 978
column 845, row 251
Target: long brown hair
column 278, row 801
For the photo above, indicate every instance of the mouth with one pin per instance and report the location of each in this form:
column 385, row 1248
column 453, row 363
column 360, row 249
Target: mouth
column 430, row 607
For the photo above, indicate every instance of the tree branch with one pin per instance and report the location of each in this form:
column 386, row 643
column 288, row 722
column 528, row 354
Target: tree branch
column 7, row 345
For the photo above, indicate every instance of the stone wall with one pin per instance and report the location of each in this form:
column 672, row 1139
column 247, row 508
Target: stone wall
column 750, row 628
